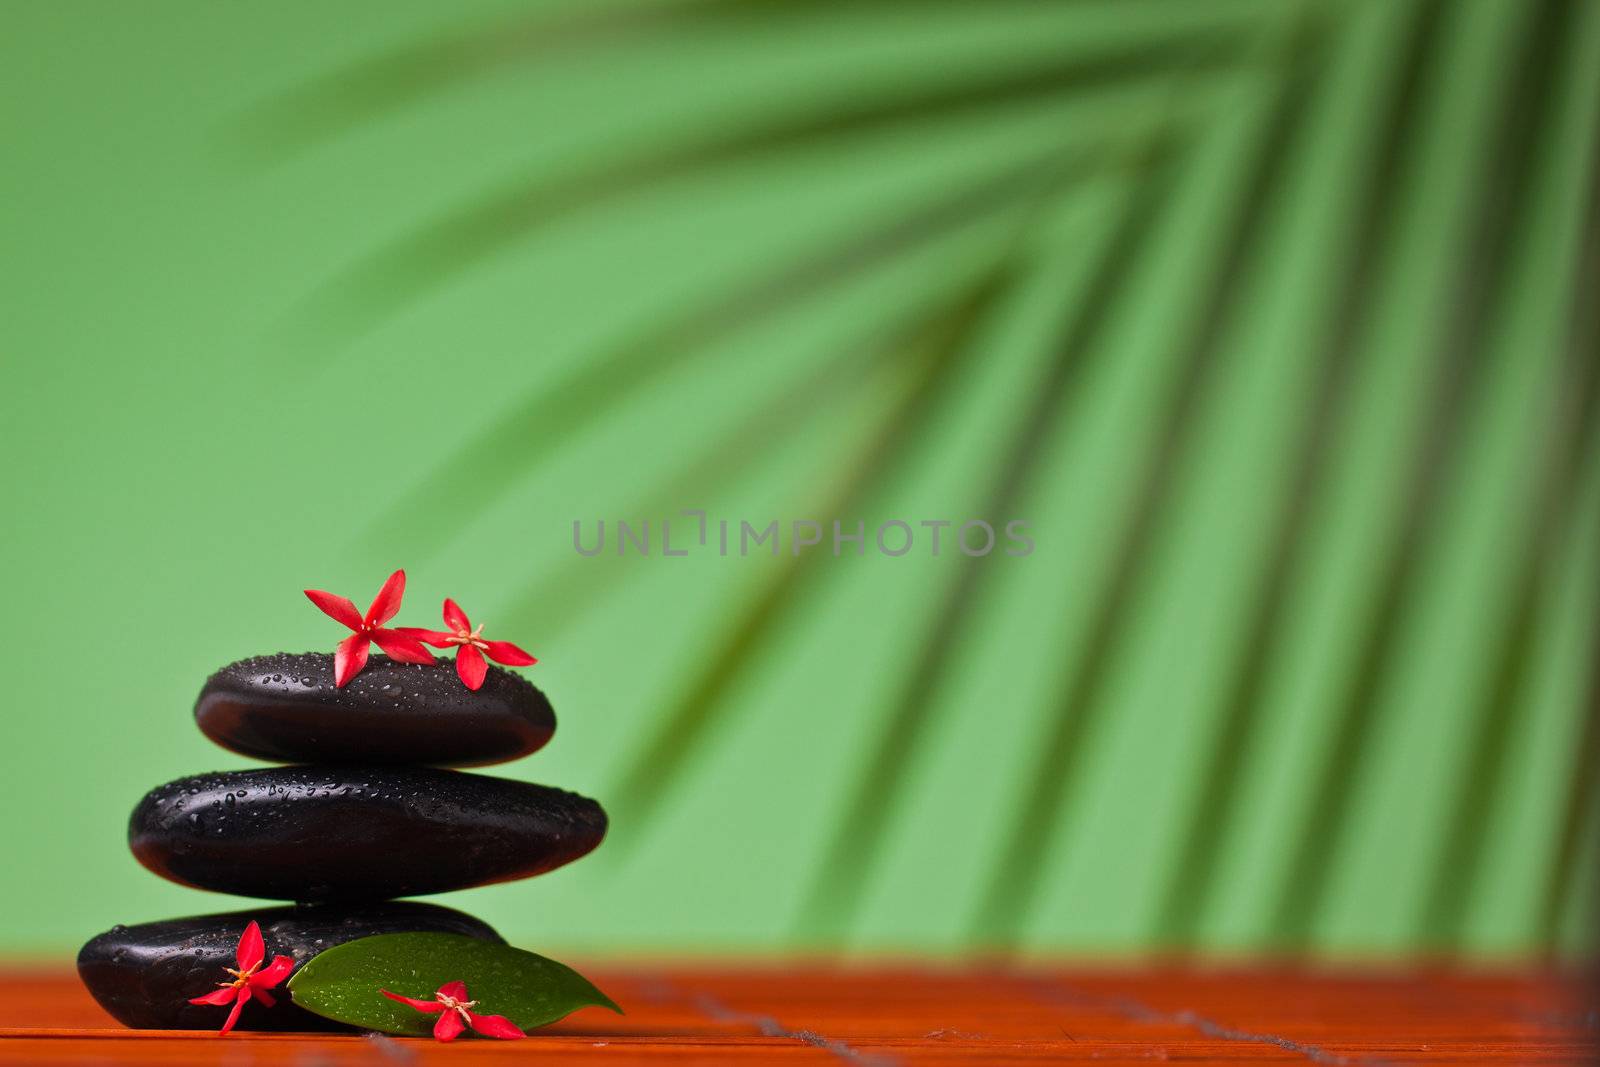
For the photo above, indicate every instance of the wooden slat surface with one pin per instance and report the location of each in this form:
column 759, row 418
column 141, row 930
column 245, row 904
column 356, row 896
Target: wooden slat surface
column 814, row 1014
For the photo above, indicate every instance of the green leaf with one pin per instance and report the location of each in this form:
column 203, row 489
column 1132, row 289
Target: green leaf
column 344, row 982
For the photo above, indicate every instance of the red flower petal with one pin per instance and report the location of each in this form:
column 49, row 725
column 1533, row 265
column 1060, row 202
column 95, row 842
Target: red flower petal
column 470, row 666
column 429, row 1006
column 238, row 1006
column 436, row 638
column 262, row 995
column 454, row 617
column 217, row 997
column 402, row 647
column 496, row 1026
column 509, row 654
column 272, row 973
column 456, row 990
column 387, row 602
column 251, row 948
column 349, row 658
column 449, row 1026
column 337, row 608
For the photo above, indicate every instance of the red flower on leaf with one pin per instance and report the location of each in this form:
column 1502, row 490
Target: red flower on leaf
column 470, row 646
column 455, row 1013
column 248, row 982
column 351, row 655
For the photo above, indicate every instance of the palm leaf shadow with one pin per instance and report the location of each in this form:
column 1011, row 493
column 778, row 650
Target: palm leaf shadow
column 1012, row 890
column 1582, row 795
column 785, row 591
column 1193, row 880
column 376, row 87
column 1573, row 445
column 1459, row 374
column 660, row 759
column 478, row 230
column 1557, row 512
column 358, row 94
column 547, row 415
column 448, row 247
column 1584, row 785
column 842, row 874
column 723, row 460
column 432, row 254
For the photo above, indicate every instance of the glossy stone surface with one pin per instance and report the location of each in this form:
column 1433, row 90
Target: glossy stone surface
column 357, row 833
column 144, row 975
column 285, row 708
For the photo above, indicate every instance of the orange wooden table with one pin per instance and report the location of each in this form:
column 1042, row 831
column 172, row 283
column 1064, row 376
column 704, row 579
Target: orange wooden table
column 814, row 1014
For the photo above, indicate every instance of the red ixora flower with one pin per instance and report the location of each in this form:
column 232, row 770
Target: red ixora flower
column 455, row 1013
column 470, row 646
column 351, row 655
column 248, row 980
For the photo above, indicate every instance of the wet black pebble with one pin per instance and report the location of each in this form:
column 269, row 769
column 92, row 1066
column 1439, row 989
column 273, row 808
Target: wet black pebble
column 357, row 833
column 285, row 708
column 144, row 975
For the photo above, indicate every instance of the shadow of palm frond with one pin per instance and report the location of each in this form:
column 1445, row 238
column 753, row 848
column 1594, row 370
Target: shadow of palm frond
column 1192, row 883
column 356, row 95
column 1012, row 889
column 724, row 460
column 1572, row 461
column 926, row 350
column 1583, row 789
column 391, row 80
column 1459, row 374
column 846, row 866
column 437, row 251
column 1581, row 801
column 432, row 254
column 548, row 414
column 721, row 461
column 784, row 591
column 381, row 85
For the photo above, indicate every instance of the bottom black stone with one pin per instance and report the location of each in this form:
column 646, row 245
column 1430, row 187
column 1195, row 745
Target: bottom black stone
column 144, row 975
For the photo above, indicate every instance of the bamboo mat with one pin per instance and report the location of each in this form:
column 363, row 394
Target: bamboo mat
column 884, row 1016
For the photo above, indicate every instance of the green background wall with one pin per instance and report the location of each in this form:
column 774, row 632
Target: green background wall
column 1275, row 320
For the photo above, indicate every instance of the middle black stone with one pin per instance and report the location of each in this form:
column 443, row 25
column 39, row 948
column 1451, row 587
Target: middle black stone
column 341, row 833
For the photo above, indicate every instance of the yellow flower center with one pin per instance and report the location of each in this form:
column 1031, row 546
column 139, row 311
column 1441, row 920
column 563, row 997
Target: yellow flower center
column 453, row 1004
column 465, row 637
column 240, row 978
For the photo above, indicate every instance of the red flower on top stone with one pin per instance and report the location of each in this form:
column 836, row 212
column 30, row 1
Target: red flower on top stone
column 455, row 1013
column 470, row 646
column 248, row 980
column 351, row 655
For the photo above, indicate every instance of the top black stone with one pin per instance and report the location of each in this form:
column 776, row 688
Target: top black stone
column 285, row 708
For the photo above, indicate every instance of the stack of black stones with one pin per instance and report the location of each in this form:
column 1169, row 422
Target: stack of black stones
column 363, row 814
